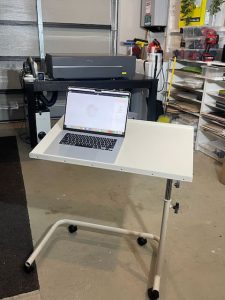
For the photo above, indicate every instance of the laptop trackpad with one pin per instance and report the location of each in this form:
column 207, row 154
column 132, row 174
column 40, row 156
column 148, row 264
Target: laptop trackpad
column 90, row 154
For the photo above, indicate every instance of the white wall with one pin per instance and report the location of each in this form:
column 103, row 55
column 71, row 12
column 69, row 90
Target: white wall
column 129, row 22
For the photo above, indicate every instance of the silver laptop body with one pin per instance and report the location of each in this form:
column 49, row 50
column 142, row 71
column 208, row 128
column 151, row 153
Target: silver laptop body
column 92, row 114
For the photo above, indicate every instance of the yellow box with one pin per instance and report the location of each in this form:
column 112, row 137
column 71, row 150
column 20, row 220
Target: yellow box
column 198, row 16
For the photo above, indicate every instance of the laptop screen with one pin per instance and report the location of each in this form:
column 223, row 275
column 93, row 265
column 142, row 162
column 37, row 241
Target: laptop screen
column 99, row 112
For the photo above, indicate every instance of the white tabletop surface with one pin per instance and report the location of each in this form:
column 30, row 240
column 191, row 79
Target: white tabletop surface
column 149, row 148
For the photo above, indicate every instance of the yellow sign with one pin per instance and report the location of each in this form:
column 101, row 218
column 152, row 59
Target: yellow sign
column 197, row 18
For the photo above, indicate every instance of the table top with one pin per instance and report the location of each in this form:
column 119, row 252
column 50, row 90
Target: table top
column 149, row 148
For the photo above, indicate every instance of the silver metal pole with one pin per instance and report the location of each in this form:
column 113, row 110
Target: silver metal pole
column 160, row 256
column 40, row 30
column 114, row 26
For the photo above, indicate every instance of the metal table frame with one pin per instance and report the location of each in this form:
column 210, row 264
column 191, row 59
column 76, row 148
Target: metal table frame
column 153, row 292
column 138, row 156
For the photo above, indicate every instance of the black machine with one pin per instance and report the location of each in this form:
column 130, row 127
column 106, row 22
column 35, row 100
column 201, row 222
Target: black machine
column 45, row 83
column 71, row 66
column 31, row 72
column 77, row 66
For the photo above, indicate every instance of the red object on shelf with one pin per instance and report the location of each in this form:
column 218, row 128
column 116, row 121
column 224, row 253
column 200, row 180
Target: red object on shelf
column 207, row 57
column 211, row 39
column 154, row 47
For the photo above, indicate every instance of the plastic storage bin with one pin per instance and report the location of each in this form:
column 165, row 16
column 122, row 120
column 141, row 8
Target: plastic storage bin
column 193, row 32
column 195, row 43
column 213, row 72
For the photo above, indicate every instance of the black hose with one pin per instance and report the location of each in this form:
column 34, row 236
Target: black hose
column 47, row 102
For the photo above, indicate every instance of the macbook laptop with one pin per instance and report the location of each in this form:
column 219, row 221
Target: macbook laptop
column 94, row 125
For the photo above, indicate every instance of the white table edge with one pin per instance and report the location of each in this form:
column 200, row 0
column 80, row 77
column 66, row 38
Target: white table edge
column 112, row 167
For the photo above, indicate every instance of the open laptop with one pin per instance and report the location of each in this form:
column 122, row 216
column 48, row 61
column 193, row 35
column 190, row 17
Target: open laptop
column 94, row 125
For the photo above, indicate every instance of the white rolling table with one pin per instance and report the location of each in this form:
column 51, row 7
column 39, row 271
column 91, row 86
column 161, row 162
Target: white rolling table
column 149, row 148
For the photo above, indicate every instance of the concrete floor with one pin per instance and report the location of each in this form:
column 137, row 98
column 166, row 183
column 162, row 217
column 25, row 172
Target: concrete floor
column 89, row 265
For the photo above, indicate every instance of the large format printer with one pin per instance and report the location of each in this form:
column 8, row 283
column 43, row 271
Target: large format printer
column 61, row 66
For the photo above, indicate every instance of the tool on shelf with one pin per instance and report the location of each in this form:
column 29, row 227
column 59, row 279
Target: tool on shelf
column 165, row 118
column 136, row 47
column 141, row 44
column 211, row 39
column 155, row 55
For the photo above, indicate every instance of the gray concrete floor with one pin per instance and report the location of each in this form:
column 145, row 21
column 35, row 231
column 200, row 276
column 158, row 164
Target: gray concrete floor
column 89, row 265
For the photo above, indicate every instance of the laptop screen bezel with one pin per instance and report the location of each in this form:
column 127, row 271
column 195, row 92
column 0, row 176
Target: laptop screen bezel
column 103, row 93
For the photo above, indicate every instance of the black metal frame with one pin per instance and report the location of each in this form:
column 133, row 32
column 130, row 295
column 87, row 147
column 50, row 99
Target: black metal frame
column 137, row 82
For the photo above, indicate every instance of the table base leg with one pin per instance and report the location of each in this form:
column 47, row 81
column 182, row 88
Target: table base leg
column 74, row 223
column 153, row 293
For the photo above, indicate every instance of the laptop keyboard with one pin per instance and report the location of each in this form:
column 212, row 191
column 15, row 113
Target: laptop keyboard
column 88, row 141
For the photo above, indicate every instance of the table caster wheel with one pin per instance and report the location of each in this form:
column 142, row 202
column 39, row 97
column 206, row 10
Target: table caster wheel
column 28, row 268
column 176, row 207
column 153, row 294
column 72, row 228
column 141, row 241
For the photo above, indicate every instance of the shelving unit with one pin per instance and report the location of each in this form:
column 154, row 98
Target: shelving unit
column 186, row 88
column 217, row 28
column 193, row 75
column 211, row 132
column 186, row 96
column 207, row 63
column 200, row 101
